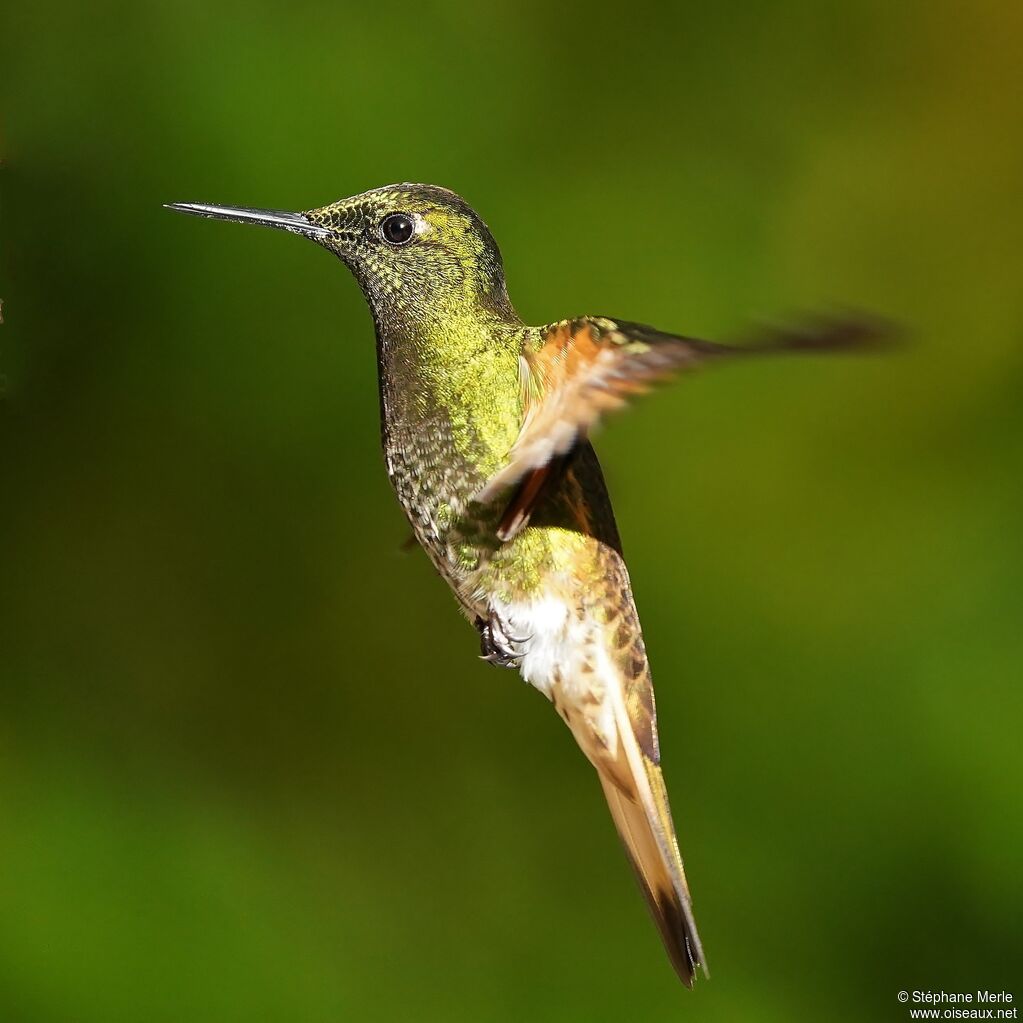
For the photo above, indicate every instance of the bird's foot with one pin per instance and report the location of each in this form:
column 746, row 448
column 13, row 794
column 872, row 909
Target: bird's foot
column 497, row 647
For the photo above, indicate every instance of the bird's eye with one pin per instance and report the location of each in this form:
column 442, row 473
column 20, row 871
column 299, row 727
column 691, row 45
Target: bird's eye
column 397, row 229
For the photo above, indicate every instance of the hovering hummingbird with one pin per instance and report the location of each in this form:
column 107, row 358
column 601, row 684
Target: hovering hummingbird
column 485, row 423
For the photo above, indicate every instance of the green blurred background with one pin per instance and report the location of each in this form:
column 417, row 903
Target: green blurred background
column 251, row 767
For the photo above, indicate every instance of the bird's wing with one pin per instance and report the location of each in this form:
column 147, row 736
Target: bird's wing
column 576, row 371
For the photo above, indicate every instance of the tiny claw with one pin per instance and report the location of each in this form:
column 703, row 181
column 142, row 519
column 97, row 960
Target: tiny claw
column 496, row 646
column 499, row 660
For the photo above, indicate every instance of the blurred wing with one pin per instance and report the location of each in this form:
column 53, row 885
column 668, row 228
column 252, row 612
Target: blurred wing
column 581, row 369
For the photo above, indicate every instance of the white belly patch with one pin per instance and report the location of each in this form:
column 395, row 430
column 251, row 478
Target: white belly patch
column 564, row 657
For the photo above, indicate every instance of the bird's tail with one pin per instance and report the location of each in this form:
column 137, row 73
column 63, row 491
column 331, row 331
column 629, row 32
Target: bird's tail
column 635, row 792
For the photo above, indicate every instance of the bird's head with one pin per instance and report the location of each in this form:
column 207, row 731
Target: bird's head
column 419, row 252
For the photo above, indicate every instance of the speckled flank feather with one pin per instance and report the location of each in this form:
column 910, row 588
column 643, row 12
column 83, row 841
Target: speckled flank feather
column 484, row 424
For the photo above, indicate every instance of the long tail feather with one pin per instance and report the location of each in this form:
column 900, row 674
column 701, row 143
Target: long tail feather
column 647, row 832
column 637, row 799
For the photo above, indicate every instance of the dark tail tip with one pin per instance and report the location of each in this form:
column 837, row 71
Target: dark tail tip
column 678, row 932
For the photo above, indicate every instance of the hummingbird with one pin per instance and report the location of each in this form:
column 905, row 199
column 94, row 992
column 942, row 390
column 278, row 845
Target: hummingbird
column 485, row 430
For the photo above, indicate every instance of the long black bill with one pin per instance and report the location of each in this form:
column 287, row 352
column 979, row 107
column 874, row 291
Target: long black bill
column 296, row 223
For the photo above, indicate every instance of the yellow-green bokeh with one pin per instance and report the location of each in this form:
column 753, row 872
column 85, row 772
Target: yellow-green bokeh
column 250, row 768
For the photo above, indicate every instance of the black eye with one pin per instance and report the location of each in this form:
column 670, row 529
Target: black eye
column 397, row 228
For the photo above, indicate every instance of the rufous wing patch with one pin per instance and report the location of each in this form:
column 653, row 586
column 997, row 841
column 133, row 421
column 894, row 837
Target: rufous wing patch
column 580, row 370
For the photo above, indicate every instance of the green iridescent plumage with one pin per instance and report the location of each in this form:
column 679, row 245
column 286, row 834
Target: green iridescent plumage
column 485, row 424
column 449, row 348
